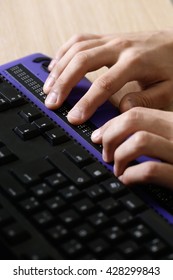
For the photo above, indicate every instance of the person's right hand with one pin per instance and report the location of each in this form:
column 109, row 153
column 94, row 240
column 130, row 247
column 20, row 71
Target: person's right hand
column 146, row 58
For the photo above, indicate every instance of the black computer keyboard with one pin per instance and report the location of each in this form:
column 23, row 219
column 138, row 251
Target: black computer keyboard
column 57, row 201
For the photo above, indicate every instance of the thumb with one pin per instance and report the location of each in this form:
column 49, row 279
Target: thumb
column 157, row 96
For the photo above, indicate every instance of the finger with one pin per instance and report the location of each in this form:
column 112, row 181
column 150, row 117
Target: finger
column 149, row 172
column 155, row 96
column 67, row 45
column 142, row 143
column 62, row 63
column 100, row 91
column 82, row 63
column 121, row 127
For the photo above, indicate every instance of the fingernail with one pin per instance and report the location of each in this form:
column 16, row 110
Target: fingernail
column 52, row 64
column 95, row 134
column 51, row 98
column 75, row 114
column 49, row 82
column 104, row 156
column 120, row 178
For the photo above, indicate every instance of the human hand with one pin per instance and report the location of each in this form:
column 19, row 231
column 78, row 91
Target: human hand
column 139, row 131
column 146, row 58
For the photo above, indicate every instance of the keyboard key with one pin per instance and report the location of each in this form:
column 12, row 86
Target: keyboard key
column 15, row 233
column 109, row 205
column 156, row 246
column 30, row 204
column 41, row 190
column 12, row 95
column 114, row 187
column 69, row 217
column 4, row 105
column 113, row 234
column 95, row 192
column 140, row 232
column 56, row 136
column 99, row 246
column 75, row 174
column 84, row 206
column 129, row 248
column 12, row 187
column 99, row 219
column 30, row 113
column 132, row 203
column 72, row 247
column 124, row 218
column 31, row 172
column 96, row 171
column 69, row 193
column 78, row 155
column 84, row 231
column 57, row 232
column 5, row 217
column 55, row 203
column 43, row 124
column 56, row 180
column 6, row 155
column 43, row 218
column 26, row 131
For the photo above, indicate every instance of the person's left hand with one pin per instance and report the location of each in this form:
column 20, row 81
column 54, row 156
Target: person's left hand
column 139, row 131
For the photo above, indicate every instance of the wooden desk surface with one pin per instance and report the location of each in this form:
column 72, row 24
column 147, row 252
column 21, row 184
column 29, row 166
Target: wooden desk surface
column 29, row 26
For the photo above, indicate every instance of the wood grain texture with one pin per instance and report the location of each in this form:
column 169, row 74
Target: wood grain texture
column 29, row 26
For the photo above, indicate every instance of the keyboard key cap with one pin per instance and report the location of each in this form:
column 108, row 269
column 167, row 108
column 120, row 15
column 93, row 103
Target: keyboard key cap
column 55, row 203
column 96, row 171
column 56, row 180
column 5, row 217
column 96, row 192
column 99, row 246
column 113, row 234
column 15, row 233
column 43, row 218
column 43, row 124
column 31, row 172
column 69, row 217
column 75, row 174
column 30, row 113
column 6, row 155
column 30, row 204
column 41, row 190
column 128, row 248
column 84, row 231
column 132, row 203
column 69, row 193
column 26, row 131
column 56, row 136
column 99, row 219
column 84, row 206
column 11, row 94
column 156, row 246
column 57, row 232
column 114, row 187
column 4, row 105
column 72, row 247
column 109, row 205
column 78, row 155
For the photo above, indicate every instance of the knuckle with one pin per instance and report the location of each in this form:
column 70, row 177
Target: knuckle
column 78, row 38
column 59, row 85
column 81, row 58
column 141, row 139
column 150, row 171
column 133, row 115
column 122, row 43
column 104, row 84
